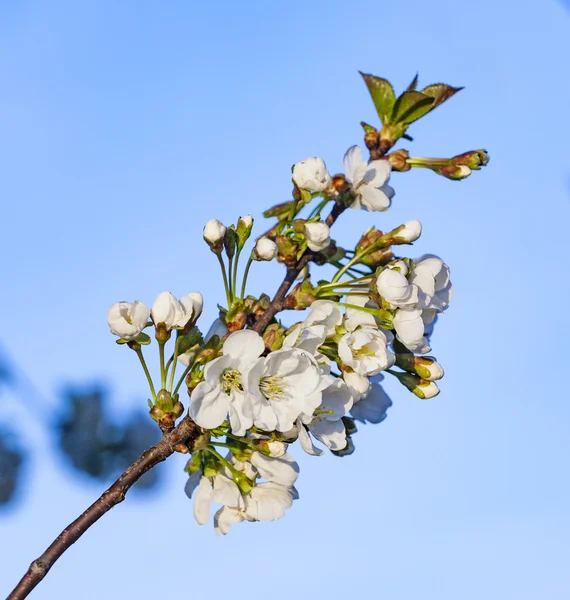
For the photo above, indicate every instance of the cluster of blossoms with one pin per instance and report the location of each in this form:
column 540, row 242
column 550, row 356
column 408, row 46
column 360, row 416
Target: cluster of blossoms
column 257, row 385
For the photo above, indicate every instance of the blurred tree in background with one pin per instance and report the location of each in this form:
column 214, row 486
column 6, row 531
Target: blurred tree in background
column 84, row 433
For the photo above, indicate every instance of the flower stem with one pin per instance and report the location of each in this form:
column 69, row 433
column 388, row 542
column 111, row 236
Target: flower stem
column 234, row 275
column 162, row 367
column 174, row 362
column 245, row 275
column 145, row 369
column 230, row 270
column 225, row 276
column 317, row 210
column 182, row 378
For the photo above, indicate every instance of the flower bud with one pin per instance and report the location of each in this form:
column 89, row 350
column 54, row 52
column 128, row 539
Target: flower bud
column 169, row 311
column 311, row 174
column 378, row 257
column 301, row 296
column 398, row 160
column 424, row 366
column 318, row 235
column 271, row 448
column 453, row 172
column 407, row 233
column 287, row 250
column 420, row 387
column 475, row 159
column 214, row 233
column 273, row 337
column 265, row 249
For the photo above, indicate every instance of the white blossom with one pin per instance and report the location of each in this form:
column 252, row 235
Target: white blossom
column 311, row 174
column 214, row 231
column 369, row 181
column 282, row 470
column 410, row 232
column 265, row 249
column 365, row 351
column 280, row 387
column 395, row 288
column 432, row 277
column 326, row 424
column 222, row 391
column 127, row 320
column 410, row 329
column 193, row 304
column 318, row 236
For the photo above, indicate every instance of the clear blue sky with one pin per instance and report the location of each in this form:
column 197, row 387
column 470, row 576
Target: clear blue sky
column 125, row 126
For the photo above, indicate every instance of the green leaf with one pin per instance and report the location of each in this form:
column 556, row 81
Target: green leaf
column 440, row 92
column 368, row 128
column 382, row 94
column 143, row 339
column 413, row 85
column 121, row 341
column 410, row 106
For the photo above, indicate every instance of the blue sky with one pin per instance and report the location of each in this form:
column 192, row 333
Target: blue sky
column 125, row 126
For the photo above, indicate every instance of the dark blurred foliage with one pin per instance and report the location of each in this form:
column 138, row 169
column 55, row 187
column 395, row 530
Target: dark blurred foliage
column 11, row 460
column 95, row 440
column 97, row 444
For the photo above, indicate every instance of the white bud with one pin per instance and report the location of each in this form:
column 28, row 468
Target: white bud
column 318, row 235
column 427, row 389
column 192, row 304
column 168, row 310
column 127, row 320
column 311, row 174
column 247, row 220
column 265, row 249
column 410, row 232
column 214, row 231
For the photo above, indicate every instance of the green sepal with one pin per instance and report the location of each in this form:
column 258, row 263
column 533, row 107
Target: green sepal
column 188, row 340
column 143, row 339
column 194, row 464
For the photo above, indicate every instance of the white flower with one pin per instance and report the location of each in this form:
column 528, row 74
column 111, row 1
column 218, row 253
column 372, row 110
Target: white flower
column 326, row 424
column 127, row 319
column 395, row 288
column 192, row 304
column 265, row 249
column 373, row 407
column 214, row 231
column 432, row 277
column 219, row 489
column 247, row 221
column 365, row 351
column 266, row 502
column 369, row 181
column 282, row 470
column 280, row 387
column 318, row 235
column 410, row 328
column 358, row 385
column 354, row 317
column 311, row 174
column 218, row 328
column 321, row 321
column 168, row 310
column 222, row 391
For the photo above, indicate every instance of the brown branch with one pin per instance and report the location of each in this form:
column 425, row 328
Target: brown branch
column 276, row 304
column 184, row 432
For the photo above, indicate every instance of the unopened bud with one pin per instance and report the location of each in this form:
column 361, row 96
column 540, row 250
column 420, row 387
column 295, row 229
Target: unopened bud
column 311, row 174
column 243, row 229
column 301, row 297
column 453, row 172
column 318, row 235
column 271, row 448
column 424, row 366
column 475, row 159
column 287, row 250
column 214, row 233
column 273, row 337
column 378, row 257
column 371, row 139
column 407, row 233
column 398, row 160
column 265, row 249
column 422, row 388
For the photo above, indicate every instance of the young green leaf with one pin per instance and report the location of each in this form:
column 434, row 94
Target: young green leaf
column 410, row 106
column 440, row 92
column 382, row 94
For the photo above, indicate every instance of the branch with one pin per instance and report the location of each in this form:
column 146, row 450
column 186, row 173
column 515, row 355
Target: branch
column 184, row 432
column 276, row 304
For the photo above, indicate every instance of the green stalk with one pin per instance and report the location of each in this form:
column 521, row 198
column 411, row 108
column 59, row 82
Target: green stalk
column 245, row 275
column 224, row 275
column 146, row 372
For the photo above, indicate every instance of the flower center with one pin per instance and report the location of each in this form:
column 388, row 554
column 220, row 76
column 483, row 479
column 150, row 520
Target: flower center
column 273, row 387
column 126, row 315
column 231, row 380
column 362, row 352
